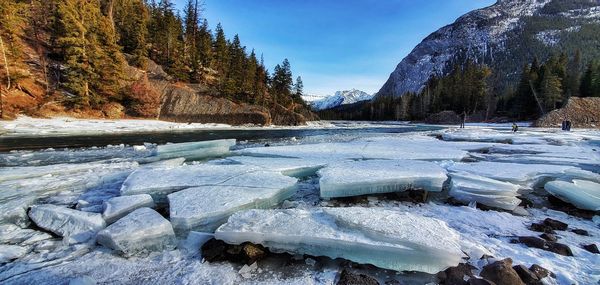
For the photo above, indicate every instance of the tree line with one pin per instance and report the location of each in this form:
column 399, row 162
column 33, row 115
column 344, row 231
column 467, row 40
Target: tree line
column 93, row 40
column 466, row 89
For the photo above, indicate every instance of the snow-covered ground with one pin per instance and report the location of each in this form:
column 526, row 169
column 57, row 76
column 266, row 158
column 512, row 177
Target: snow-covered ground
column 55, row 207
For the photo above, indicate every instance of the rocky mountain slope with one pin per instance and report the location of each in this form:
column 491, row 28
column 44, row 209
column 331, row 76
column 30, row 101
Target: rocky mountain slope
column 340, row 98
column 504, row 36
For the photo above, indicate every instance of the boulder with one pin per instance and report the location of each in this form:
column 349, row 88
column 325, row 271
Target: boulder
column 501, row 273
column 247, row 253
column 581, row 232
column 479, row 281
column 456, row 274
column 350, row 278
column 555, row 224
column 592, row 248
column 526, row 275
column 540, row 272
column 549, row 237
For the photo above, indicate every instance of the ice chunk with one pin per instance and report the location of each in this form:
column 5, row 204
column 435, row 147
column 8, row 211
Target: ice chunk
column 11, row 234
column 158, row 182
column 206, row 208
column 195, row 150
column 583, row 194
column 468, row 188
column 11, row 252
column 384, row 238
column 144, row 230
column 14, row 211
column 294, row 167
column 526, row 175
column 194, row 242
column 118, row 207
column 83, row 280
column 65, row 222
column 356, row 178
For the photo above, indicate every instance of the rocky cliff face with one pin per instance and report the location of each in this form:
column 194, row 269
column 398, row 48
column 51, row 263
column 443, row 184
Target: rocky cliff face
column 504, row 36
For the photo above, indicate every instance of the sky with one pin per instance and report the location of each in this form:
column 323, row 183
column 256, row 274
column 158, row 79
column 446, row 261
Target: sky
column 335, row 44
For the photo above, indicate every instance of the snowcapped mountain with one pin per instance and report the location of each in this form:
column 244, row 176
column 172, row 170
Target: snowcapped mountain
column 340, row 98
column 504, row 36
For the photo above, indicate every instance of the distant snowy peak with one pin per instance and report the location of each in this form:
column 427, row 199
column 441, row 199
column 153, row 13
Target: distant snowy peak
column 341, row 98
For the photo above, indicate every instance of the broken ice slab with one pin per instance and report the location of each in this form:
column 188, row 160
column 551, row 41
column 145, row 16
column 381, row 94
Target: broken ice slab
column 118, row 207
column 15, row 211
column 493, row 136
column 355, row 178
column 160, row 182
column 195, row 150
column 205, row 208
column 12, row 252
column 294, row 167
column 525, row 175
column 142, row 231
column 384, row 238
column 469, row 188
column 12, row 234
column 583, row 194
column 73, row 224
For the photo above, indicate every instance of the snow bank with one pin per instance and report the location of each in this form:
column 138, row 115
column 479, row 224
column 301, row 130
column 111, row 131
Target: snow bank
column 357, row 178
column 76, row 225
column 386, row 239
column 583, row 194
column 143, row 230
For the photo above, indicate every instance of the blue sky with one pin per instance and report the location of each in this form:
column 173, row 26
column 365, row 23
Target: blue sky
column 335, row 45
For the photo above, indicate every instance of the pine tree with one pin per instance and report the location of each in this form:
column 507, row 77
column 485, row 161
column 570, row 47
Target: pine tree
column 204, row 45
column 298, row 89
column 221, row 53
column 131, row 20
column 550, row 88
column 573, row 76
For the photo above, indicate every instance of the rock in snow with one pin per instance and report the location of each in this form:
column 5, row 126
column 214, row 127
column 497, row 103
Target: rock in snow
column 77, row 225
column 468, row 187
column 118, row 207
column 583, row 194
column 143, row 230
column 205, row 208
column 357, row 178
column 384, row 238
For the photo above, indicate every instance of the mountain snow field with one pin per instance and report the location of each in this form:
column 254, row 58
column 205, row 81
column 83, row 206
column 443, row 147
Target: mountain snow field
column 397, row 207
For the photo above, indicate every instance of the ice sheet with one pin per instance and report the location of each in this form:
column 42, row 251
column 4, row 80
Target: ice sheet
column 355, row 178
column 10, row 252
column 525, row 175
column 468, row 188
column 144, row 230
column 76, row 225
column 294, row 167
column 583, row 194
column 387, row 239
column 206, row 208
column 118, row 207
column 195, row 150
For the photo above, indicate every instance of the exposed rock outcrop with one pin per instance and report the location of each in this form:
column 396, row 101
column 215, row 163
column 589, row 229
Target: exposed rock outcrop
column 582, row 112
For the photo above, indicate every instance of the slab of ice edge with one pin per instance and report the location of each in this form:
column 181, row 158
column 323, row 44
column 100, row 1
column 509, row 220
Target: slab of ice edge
column 384, row 238
column 118, row 207
column 143, row 230
column 195, row 150
column 206, row 208
column 294, row 167
column 356, row 178
column 65, row 222
column 583, row 194
column 527, row 175
column 159, row 182
column 473, row 188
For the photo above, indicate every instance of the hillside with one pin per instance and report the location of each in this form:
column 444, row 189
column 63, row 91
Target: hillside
column 136, row 59
column 504, row 36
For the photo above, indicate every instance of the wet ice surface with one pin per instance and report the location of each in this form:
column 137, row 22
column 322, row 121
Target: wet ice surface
column 483, row 168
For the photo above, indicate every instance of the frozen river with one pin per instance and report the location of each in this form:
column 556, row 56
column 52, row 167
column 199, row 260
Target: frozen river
column 396, row 202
